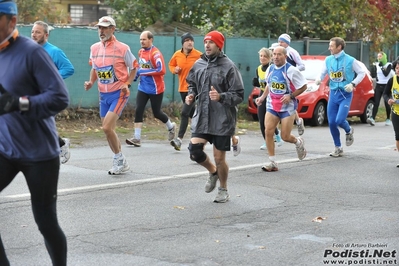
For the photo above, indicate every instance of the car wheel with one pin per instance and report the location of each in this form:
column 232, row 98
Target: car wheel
column 319, row 114
column 368, row 111
column 255, row 117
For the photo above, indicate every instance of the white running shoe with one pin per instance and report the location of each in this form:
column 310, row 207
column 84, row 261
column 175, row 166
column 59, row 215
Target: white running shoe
column 271, row 167
column 371, row 121
column 301, row 127
column 263, row 147
column 65, row 153
column 300, row 150
column 222, row 196
column 349, row 137
column 119, row 166
column 237, row 147
column 338, row 152
column 211, row 182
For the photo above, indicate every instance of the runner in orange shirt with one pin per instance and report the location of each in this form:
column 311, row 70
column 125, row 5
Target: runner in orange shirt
column 180, row 64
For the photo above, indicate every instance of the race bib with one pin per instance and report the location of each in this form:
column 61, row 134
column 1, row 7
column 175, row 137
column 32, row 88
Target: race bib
column 395, row 95
column 278, row 88
column 337, row 76
column 106, row 74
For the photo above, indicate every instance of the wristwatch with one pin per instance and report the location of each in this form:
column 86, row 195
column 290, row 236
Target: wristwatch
column 23, row 103
column 128, row 85
column 292, row 96
column 353, row 84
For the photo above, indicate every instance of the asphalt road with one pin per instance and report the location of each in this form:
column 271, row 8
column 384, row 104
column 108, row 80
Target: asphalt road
column 158, row 213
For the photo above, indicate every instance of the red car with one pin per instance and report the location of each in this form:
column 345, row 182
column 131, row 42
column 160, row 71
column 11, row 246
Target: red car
column 313, row 102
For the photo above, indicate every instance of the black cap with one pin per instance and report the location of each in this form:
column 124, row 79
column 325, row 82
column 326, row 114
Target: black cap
column 185, row 36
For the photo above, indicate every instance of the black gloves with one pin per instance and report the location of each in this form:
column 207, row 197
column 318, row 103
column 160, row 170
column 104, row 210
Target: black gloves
column 8, row 103
column 255, row 82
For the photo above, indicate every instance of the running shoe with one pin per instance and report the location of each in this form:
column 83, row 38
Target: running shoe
column 388, row 122
column 301, row 127
column 300, row 149
column 371, row 121
column 237, row 147
column 176, row 143
column 119, row 166
column 337, row 152
column 211, row 182
column 271, row 167
column 222, row 196
column 65, row 153
column 263, row 147
column 133, row 142
column 349, row 137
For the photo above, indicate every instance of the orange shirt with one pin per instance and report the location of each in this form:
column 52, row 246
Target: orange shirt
column 111, row 61
column 185, row 62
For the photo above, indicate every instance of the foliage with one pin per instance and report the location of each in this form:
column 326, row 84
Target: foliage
column 315, row 19
column 369, row 20
column 381, row 29
column 30, row 11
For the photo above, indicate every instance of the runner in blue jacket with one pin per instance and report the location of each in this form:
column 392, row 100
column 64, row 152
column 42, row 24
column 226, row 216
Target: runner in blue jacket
column 31, row 94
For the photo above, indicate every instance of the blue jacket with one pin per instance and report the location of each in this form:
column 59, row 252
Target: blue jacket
column 61, row 61
column 340, row 70
column 32, row 135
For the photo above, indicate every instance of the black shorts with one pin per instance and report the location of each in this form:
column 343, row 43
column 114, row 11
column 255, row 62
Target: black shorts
column 221, row 143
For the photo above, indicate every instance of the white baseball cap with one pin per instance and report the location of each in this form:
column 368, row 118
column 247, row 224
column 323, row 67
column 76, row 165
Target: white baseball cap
column 106, row 22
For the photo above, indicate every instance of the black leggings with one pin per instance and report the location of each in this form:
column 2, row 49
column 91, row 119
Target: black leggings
column 156, row 104
column 43, row 190
column 187, row 112
column 378, row 92
column 261, row 117
column 395, row 124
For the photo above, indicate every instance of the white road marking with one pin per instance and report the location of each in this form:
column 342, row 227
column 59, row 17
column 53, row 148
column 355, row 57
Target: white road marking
column 155, row 179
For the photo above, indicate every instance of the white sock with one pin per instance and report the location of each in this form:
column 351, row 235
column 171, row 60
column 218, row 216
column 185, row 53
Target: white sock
column 137, row 133
column 117, row 155
column 169, row 124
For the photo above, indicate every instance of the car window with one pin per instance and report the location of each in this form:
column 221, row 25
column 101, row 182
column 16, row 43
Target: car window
column 312, row 68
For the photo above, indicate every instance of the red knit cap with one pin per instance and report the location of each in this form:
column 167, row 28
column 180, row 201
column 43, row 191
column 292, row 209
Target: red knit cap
column 216, row 37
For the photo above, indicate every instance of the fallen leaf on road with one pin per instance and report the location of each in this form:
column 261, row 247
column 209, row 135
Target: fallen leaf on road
column 179, row 207
column 318, row 219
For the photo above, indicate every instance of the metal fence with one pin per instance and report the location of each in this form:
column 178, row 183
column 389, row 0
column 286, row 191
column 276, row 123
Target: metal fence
column 76, row 42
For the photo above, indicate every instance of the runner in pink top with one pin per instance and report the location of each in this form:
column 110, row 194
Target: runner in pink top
column 114, row 68
column 284, row 83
